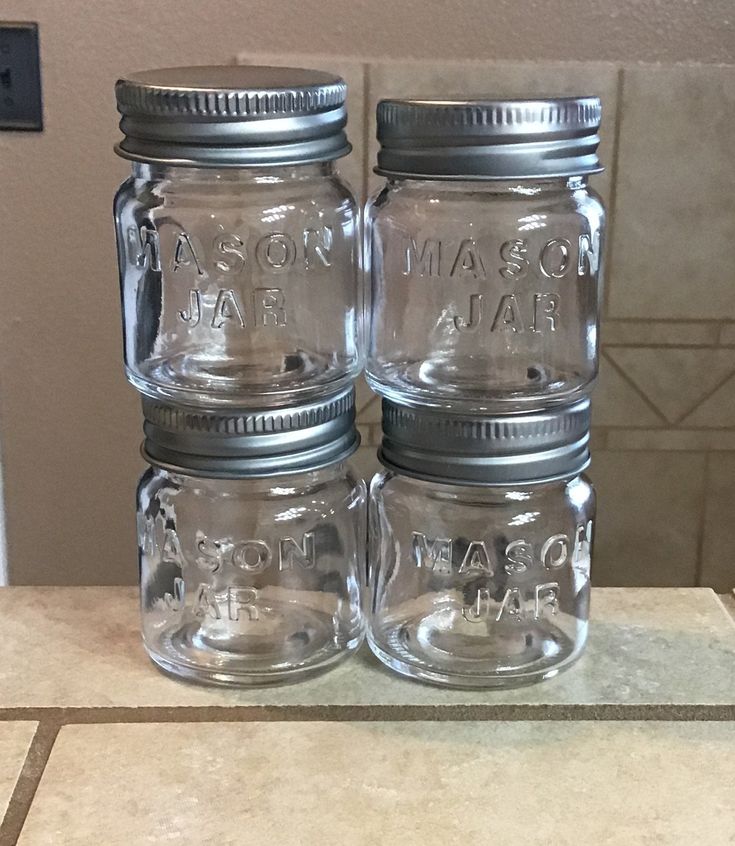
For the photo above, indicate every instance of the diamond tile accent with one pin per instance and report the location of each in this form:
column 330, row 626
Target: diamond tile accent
column 617, row 403
column 674, row 380
column 718, row 410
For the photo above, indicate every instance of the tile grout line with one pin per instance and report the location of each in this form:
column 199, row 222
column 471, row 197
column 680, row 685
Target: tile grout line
column 708, row 322
column 26, row 786
column 720, row 332
column 668, row 427
column 52, row 719
column 652, row 346
column 613, row 195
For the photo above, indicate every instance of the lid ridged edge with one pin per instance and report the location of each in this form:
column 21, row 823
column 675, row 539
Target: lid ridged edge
column 178, row 419
column 495, row 431
column 143, row 99
column 492, row 450
column 582, row 113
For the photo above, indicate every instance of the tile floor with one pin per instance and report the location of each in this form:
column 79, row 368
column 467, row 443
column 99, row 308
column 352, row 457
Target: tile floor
column 96, row 747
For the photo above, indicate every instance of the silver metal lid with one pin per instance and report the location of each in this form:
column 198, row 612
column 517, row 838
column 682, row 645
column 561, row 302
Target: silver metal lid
column 486, row 450
column 489, row 139
column 232, row 116
column 239, row 444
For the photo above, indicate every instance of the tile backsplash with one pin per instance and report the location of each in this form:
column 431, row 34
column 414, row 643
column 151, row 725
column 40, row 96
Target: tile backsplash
column 664, row 407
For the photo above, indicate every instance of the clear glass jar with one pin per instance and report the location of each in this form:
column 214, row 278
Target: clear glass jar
column 486, row 267
column 478, row 584
column 239, row 265
column 251, row 581
column 252, row 533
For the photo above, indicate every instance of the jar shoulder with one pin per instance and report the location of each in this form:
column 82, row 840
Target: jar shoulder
column 578, row 492
column 421, row 202
column 277, row 196
column 342, row 487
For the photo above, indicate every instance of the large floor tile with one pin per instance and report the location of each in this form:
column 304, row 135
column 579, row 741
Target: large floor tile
column 393, row 784
column 674, row 217
column 80, row 648
column 15, row 740
column 649, row 516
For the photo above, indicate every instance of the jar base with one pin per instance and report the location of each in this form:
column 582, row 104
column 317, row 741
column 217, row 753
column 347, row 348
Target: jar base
column 427, row 384
column 243, row 679
column 181, row 381
column 300, row 643
column 548, row 651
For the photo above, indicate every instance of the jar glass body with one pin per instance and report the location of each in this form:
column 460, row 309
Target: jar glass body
column 475, row 586
column 251, row 581
column 485, row 295
column 239, row 285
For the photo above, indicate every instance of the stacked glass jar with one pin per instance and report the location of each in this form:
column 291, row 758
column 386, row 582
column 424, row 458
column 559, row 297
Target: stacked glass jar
column 485, row 253
column 238, row 255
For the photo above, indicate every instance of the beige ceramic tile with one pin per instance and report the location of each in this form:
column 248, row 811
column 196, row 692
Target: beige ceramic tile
column 649, row 517
column 646, row 333
column 674, row 380
column 363, row 395
column 15, row 740
column 394, row 784
column 351, row 167
column 677, row 440
column 598, row 438
column 497, row 79
column 727, row 335
column 674, row 218
column 618, row 403
column 80, row 648
column 365, row 461
column 371, row 413
column 718, row 555
column 370, row 435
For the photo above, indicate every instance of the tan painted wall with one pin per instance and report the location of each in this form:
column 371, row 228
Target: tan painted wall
column 69, row 425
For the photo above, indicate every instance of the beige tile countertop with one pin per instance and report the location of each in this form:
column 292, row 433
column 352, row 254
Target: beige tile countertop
column 633, row 745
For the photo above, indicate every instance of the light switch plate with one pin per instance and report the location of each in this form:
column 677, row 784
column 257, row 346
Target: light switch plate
column 20, row 77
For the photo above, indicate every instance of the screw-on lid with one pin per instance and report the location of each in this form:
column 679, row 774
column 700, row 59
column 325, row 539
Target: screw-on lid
column 489, row 139
column 486, row 450
column 251, row 443
column 232, row 116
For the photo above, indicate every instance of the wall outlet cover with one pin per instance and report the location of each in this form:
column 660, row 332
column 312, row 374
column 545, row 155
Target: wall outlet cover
column 20, row 77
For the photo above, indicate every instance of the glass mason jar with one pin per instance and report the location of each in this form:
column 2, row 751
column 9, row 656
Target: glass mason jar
column 237, row 240
column 485, row 252
column 251, row 542
column 480, row 546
